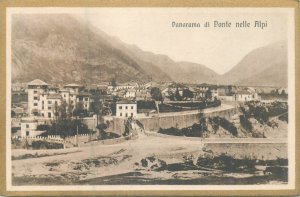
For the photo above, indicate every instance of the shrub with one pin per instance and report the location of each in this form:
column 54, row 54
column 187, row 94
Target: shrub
column 228, row 126
column 46, row 145
column 246, row 124
column 171, row 131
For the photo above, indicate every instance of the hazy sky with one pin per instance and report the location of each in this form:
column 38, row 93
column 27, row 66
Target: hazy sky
column 218, row 48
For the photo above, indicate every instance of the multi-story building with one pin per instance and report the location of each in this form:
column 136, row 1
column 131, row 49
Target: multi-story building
column 35, row 88
column 44, row 100
column 130, row 93
column 84, row 98
column 49, row 104
column 203, row 88
column 125, row 86
column 29, row 128
column 126, row 109
column 246, row 95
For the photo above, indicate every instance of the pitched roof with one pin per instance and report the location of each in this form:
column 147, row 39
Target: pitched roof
column 72, row 85
column 126, row 102
column 37, row 82
column 243, row 92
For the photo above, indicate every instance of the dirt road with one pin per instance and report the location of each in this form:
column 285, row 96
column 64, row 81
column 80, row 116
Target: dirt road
column 98, row 161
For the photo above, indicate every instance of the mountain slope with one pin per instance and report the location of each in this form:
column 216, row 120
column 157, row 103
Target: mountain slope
column 61, row 48
column 265, row 66
column 177, row 71
column 186, row 72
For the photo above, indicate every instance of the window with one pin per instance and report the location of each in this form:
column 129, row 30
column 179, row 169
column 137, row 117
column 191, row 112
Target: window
column 42, row 107
column 86, row 99
column 42, row 114
column 27, row 125
column 35, row 91
column 126, row 107
column 126, row 115
column 35, row 98
column 85, row 105
column 27, row 133
column 64, row 95
column 43, row 102
column 131, row 114
column 49, row 108
column 49, row 115
column 120, row 114
column 35, row 104
column 49, row 102
column 131, row 107
column 120, row 107
column 55, row 102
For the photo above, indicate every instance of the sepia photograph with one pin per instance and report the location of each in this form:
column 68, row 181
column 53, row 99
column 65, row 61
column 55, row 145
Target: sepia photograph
column 157, row 98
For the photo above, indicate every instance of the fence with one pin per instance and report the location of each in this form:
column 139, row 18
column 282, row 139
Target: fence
column 108, row 141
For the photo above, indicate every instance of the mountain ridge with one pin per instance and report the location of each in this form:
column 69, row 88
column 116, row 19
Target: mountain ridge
column 67, row 49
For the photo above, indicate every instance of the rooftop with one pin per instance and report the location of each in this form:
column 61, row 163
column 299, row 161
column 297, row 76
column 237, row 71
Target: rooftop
column 126, row 102
column 243, row 92
column 72, row 85
column 37, row 82
column 54, row 96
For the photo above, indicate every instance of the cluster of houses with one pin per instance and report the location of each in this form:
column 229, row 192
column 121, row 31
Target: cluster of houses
column 43, row 99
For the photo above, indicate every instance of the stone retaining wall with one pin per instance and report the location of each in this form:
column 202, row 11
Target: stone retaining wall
column 180, row 120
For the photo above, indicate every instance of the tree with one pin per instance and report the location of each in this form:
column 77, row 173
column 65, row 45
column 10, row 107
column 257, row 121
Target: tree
column 62, row 110
column 70, row 108
column 13, row 113
column 114, row 82
column 56, row 113
column 156, row 94
column 102, row 128
column 96, row 105
column 68, row 127
column 177, row 95
column 186, row 94
column 208, row 95
column 127, row 125
column 79, row 109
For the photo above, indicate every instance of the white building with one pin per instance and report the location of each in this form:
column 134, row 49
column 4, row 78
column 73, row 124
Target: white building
column 130, row 93
column 203, row 88
column 126, row 109
column 125, row 86
column 246, row 95
column 29, row 128
column 49, row 104
column 44, row 100
column 35, row 88
column 84, row 98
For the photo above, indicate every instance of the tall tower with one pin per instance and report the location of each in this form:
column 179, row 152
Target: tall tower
column 35, row 89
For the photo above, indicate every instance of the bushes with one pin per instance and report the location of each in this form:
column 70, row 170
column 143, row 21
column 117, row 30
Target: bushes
column 171, row 131
column 262, row 112
column 227, row 163
column 228, row 126
column 46, row 145
column 284, row 117
column 246, row 124
column 185, row 106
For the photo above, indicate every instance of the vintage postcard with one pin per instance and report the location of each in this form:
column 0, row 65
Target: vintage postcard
column 150, row 98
